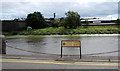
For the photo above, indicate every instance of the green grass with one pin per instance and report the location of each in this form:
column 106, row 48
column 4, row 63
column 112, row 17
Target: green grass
column 78, row 30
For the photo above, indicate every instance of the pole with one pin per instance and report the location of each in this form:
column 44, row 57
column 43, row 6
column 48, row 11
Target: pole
column 61, row 51
column 80, row 53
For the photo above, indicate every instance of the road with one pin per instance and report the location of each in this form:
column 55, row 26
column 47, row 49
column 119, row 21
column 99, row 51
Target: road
column 51, row 64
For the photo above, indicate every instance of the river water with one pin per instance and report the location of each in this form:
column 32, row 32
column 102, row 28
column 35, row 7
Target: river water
column 52, row 45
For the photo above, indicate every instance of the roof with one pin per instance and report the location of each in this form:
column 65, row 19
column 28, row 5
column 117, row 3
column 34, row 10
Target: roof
column 99, row 19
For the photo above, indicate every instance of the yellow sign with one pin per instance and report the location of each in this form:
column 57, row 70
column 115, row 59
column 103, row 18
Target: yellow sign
column 70, row 43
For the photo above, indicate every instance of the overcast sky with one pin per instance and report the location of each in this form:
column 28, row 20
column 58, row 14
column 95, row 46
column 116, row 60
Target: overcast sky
column 10, row 9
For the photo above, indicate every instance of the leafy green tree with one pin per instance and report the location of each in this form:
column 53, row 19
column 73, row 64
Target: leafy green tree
column 55, row 23
column 72, row 20
column 35, row 20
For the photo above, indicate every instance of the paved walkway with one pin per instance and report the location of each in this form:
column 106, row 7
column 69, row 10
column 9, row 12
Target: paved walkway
column 49, row 64
column 74, row 58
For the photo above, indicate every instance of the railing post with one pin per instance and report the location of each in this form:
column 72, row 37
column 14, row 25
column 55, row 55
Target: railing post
column 61, row 51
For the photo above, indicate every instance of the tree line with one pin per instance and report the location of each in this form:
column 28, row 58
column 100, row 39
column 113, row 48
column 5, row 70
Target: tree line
column 37, row 21
column 71, row 21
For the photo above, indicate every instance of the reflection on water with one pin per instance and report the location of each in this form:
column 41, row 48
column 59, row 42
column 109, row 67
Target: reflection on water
column 90, row 44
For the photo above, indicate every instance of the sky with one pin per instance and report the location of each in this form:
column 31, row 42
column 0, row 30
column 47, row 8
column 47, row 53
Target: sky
column 11, row 9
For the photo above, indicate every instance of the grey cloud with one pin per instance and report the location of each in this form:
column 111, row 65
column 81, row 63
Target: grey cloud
column 98, row 9
column 48, row 8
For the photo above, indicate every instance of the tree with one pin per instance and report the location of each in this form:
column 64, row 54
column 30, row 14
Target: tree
column 55, row 23
column 35, row 20
column 62, row 22
column 72, row 20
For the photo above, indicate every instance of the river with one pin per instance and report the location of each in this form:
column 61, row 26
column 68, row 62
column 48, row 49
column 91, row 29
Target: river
column 52, row 45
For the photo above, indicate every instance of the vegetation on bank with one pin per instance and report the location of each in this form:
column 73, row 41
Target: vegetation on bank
column 78, row 30
column 70, row 25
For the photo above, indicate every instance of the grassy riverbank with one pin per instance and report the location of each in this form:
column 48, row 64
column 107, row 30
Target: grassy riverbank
column 35, row 36
column 79, row 30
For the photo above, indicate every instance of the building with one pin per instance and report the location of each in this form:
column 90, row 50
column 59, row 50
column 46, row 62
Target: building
column 100, row 21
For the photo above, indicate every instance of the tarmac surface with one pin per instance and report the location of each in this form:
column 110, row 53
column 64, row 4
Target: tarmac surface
column 74, row 58
column 48, row 61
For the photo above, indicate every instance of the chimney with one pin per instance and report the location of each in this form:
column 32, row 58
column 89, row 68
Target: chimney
column 54, row 15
